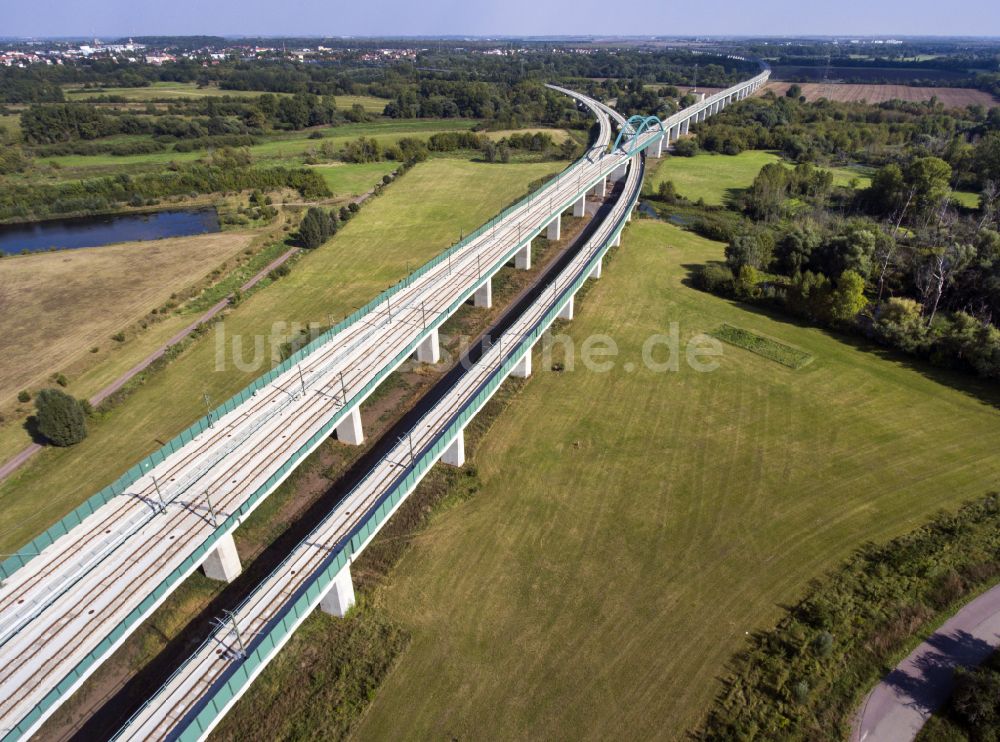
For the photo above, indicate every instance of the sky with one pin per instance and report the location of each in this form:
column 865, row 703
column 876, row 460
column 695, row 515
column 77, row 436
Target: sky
column 110, row 18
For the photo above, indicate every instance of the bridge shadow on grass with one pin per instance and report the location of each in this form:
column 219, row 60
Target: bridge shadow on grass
column 967, row 383
column 116, row 708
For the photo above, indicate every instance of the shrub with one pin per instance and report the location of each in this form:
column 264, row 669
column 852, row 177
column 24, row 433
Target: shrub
column 714, row 278
column 24, row 396
column 59, row 417
column 686, row 147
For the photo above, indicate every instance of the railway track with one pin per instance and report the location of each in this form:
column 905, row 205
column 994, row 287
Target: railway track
column 66, row 609
column 177, row 710
column 57, row 609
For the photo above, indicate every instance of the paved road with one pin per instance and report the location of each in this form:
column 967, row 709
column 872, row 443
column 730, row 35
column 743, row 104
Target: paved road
column 898, row 706
column 11, row 465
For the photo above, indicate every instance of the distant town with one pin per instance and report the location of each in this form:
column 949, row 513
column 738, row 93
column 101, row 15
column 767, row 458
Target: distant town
column 24, row 53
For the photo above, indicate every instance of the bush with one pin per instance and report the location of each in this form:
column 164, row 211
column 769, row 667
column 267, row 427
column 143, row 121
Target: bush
column 714, row 278
column 59, row 417
column 24, row 396
column 686, row 147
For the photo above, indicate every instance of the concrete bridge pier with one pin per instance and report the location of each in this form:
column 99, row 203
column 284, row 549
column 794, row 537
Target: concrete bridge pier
column 484, row 295
column 655, row 149
column 552, row 230
column 339, row 598
column 567, row 311
column 223, row 563
column 617, row 240
column 522, row 258
column 523, row 368
column 580, row 206
column 619, row 172
column 601, row 189
column 454, row 455
column 349, row 429
column 429, row 349
column 596, row 273
column 685, row 126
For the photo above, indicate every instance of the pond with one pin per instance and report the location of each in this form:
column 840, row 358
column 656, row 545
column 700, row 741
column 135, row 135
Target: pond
column 97, row 231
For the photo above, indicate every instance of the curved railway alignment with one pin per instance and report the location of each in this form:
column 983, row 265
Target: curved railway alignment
column 92, row 582
column 317, row 572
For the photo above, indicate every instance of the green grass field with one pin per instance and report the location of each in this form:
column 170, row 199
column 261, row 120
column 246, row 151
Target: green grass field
column 634, row 525
column 354, row 179
column 11, row 123
column 420, row 215
column 156, row 91
column 172, row 90
column 276, row 147
column 717, row 178
column 968, row 199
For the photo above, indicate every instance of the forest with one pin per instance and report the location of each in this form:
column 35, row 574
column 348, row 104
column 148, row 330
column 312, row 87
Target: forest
column 901, row 261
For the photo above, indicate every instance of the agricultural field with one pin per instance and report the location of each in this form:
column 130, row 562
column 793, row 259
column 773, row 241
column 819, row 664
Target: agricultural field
column 854, row 93
column 177, row 90
column 720, row 178
column 56, row 305
column 421, row 214
column 558, row 135
column 347, row 180
column 633, row 526
column 282, row 146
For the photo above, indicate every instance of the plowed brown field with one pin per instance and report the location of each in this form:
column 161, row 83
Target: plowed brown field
column 848, row 93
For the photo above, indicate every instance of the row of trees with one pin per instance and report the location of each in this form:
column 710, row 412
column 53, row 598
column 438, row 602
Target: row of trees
column 65, row 122
column 226, row 171
column 827, row 132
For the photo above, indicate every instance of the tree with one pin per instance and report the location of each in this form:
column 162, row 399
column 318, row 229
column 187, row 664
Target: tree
column 794, row 91
column 755, row 249
column 316, row 228
column 930, row 179
column 685, row 148
column 885, row 194
column 59, row 417
column 666, row 191
column 848, row 299
column 935, row 270
column 795, row 247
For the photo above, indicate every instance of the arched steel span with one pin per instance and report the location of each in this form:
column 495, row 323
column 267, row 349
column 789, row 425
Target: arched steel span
column 633, row 128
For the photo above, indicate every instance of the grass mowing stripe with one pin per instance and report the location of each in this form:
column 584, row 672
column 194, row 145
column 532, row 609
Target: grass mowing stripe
column 786, row 355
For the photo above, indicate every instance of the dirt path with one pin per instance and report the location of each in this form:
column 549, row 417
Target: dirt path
column 22, row 456
column 898, row 706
